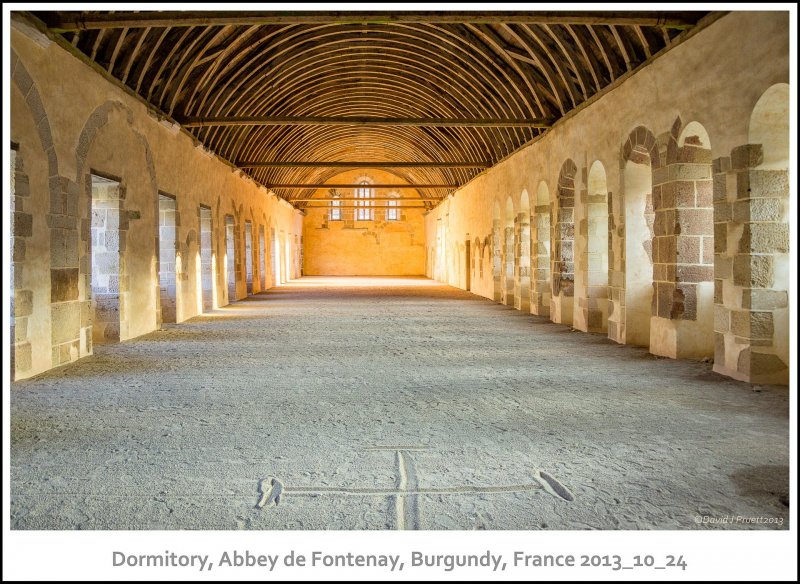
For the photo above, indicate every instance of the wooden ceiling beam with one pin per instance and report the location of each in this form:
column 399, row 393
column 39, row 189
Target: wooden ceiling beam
column 201, row 122
column 360, row 164
column 329, row 199
column 357, row 186
column 62, row 21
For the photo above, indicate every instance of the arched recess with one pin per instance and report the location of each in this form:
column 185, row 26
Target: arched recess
column 752, row 316
column 486, row 257
column 591, row 277
column 509, row 254
column 99, row 158
column 231, row 259
column 440, row 268
column 540, row 292
column 563, row 241
column 35, row 186
column 522, row 281
column 497, row 252
column 683, row 248
column 632, row 273
column 476, row 256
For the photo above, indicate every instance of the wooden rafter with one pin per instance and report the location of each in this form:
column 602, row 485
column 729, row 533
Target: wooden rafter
column 436, row 96
column 68, row 21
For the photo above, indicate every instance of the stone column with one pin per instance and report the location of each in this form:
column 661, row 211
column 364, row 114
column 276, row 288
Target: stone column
column 540, row 292
column 522, row 279
column 752, row 268
column 683, row 252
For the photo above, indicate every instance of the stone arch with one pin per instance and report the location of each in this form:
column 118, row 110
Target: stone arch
column 540, row 291
column 752, row 299
column 522, row 233
column 632, row 270
column 509, row 253
column 563, row 242
column 497, row 252
column 768, row 128
column 591, row 277
column 129, row 287
column 43, row 219
column 683, row 247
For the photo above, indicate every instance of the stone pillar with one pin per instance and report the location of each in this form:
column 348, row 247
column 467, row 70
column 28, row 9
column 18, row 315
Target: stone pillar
column 616, row 266
column 752, row 268
column 522, row 279
column 683, row 252
column 167, row 264
column 206, row 241
column 540, row 291
column 509, row 263
column 21, row 294
column 563, row 240
column 231, row 261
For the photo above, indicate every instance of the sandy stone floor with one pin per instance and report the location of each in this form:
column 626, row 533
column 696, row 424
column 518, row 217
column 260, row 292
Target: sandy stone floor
column 390, row 404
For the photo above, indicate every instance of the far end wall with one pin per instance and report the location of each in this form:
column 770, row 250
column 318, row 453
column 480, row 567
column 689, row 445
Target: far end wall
column 339, row 242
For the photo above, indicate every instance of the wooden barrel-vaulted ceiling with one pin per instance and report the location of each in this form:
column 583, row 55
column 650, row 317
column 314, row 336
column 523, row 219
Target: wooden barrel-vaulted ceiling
column 432, row 97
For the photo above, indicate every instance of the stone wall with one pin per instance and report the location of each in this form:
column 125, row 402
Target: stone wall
column 69, row 123
column 694, row 155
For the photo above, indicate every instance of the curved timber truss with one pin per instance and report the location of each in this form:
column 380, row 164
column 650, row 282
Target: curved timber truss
column 294, row 98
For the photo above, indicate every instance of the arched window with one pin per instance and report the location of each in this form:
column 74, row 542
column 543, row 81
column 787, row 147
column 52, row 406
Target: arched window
column 335, row 213
column 393, row 207
column 364, row 194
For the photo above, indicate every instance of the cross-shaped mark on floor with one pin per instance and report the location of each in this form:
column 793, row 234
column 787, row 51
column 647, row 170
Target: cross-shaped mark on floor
column 406, row 491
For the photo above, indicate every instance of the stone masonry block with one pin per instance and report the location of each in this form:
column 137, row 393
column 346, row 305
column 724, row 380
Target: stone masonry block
column 695, row 221
column 693, row 273
column 765, row 364
column 65, row 322
column 688, row 249
column 720, row 188
column 23, row 303
column 63, row 285
column 664, row 295
column 768, row 183
column 761, row 325
column 753, row 271
column 720, row 237
column 747, row 156
column 723, row 211
column 21, row 185
column 740, row 323
column 704, row 193
column 689, row 171
column 721, row 164
column 765, row 238
column 23, row 224
column 684, row 302
column 19, row 249
column 23, row 357
column 758, row 210
column 684, row 194
column 23, row 80
column 760, row 299
column 708, row 250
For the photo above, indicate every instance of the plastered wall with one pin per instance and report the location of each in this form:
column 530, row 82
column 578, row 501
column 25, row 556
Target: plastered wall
column 373, row 247
column 68, row 123
column 673, row 145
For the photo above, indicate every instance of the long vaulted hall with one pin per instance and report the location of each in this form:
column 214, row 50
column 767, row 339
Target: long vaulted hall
column 409, row 270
